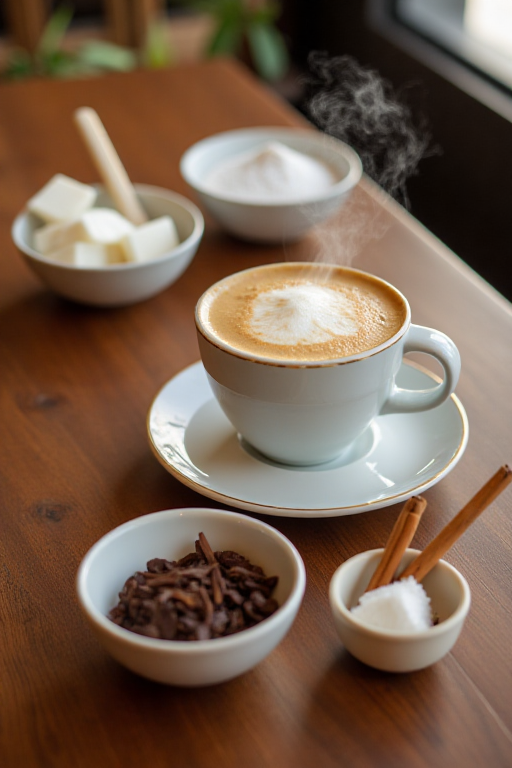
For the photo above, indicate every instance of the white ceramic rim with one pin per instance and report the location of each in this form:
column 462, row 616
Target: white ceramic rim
column 316, row 138
column 176, row 253
column 399, row 636
column 218, row 644
column 279, row 363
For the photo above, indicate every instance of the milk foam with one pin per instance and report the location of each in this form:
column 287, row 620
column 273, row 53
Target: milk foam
column 304, row 313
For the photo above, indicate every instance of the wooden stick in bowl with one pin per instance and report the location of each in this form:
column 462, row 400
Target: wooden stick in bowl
column 427, row 559
column 109, row 165
column 399, row 539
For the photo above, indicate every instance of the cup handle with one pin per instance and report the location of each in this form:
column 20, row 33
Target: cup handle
column 440, row 346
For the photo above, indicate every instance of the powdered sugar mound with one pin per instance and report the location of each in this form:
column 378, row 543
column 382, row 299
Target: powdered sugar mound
column 400, row 606
column 304, row 313
column 272, row 173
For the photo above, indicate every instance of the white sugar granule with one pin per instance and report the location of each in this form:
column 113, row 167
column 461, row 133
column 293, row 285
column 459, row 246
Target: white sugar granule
column 403, row 606
column 271, row 173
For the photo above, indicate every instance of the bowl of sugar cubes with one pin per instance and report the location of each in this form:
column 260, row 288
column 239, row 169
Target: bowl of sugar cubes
column 80, row 246
column 110, row 244
column 271, row 184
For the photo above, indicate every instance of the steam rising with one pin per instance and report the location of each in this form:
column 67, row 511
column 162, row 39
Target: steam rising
column 356, row 105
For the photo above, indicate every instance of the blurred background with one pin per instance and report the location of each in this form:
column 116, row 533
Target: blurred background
column 448, row 61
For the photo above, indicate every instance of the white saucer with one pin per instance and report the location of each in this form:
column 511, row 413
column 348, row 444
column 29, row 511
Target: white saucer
column 399, row 456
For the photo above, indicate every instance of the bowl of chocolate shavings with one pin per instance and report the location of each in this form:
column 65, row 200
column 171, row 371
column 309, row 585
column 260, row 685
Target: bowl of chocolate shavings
column 191, row 597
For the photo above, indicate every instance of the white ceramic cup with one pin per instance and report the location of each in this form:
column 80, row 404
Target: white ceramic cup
column 306, row 413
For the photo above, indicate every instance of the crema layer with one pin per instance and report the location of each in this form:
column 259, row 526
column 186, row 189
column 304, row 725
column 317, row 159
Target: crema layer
column 303, row 312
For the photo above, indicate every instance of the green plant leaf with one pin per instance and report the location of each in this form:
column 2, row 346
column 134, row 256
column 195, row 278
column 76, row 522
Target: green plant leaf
column 268, row 51
column 226, row 39
column 222, row 10
column 19, row 65
column 157, row 50
column 54, row 31
column 100, row 55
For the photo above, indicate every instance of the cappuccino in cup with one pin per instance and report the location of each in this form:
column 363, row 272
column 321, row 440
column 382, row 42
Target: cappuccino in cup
column 302, row 357
column 302, row 312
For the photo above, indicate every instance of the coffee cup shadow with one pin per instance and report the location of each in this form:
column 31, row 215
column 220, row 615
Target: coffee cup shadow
column 361, row 447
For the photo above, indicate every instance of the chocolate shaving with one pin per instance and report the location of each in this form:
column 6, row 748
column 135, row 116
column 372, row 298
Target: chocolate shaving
column 203, row 595
column 206, row 549
column 217, row 587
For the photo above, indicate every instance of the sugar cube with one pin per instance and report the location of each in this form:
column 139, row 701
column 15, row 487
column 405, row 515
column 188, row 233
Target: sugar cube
column 151, row 240
column 88, row 254
column 97, row 225
column 61, row 199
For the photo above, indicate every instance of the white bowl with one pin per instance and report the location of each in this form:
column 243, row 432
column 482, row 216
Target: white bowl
column 272, row 222
column 398, row 651
column 119, row 284
column 171, row 534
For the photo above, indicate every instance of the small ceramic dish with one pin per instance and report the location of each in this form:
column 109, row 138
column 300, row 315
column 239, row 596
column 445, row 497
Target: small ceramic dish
column 277, row 221
column 119, row 284
column 389, row 650
column 171, row 534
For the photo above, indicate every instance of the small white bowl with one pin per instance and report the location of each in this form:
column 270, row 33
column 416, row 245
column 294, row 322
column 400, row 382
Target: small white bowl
column 171, row 534
column 272, row 222
column 399, row 651
column 119, row 284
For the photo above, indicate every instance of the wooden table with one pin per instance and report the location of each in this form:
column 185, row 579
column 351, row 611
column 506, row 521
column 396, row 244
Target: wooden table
column 77, row 383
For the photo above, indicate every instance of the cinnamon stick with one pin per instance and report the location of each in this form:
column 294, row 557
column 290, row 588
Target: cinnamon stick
column 445, row 539
column 399, row 539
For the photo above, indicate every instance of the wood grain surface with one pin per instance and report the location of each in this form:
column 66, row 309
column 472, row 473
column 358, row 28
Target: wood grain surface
column 76, row 386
